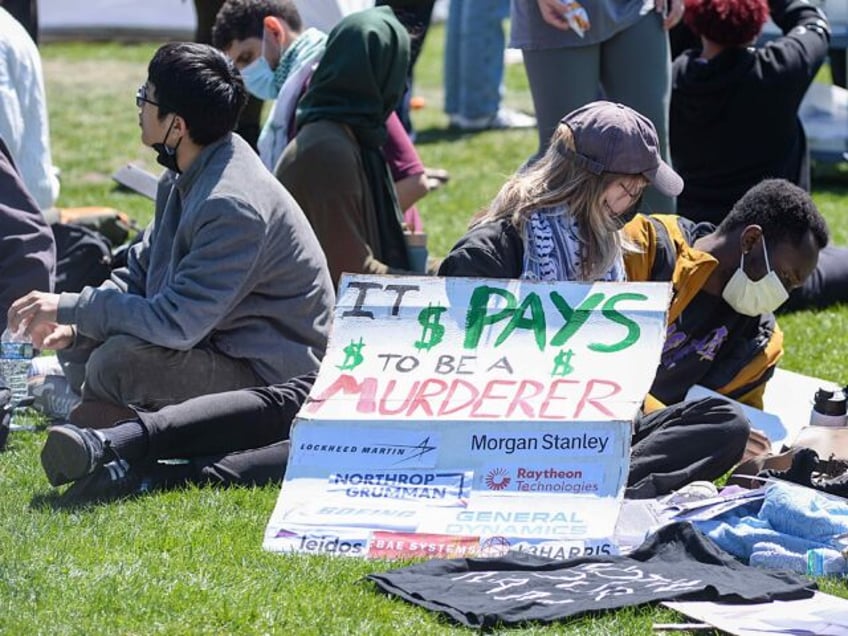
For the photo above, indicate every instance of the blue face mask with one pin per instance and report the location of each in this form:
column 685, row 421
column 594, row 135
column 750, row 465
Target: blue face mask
column 259, row 79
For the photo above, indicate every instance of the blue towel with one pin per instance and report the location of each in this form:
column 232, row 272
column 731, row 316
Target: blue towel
column 791, row 522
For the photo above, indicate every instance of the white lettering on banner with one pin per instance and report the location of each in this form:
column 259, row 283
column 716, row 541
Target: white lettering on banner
column 549, row 441
column 595, row 580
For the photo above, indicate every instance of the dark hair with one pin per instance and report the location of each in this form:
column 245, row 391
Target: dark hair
column 726, row 22
column 784, row 211
column 198, row 83
column 242, row 19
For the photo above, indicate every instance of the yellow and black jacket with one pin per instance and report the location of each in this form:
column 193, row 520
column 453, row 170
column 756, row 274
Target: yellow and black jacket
column 748, row 354
column 753, row 346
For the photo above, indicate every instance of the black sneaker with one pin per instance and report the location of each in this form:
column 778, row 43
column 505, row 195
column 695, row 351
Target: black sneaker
column 71, row 452
column 110, row 482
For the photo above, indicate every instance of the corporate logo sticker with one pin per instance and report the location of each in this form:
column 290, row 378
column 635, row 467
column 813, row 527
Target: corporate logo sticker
column 332, row 447
column 438, row 488
column 497, row 479
column 539, row 478
column 389, row 545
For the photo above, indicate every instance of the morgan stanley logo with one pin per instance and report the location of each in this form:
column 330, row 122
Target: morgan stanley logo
column 497, row 479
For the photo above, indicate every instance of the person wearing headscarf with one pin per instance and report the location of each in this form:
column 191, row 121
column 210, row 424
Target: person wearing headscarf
column 334, row 167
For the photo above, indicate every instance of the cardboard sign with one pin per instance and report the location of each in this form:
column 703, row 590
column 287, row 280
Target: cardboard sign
column 468, row 416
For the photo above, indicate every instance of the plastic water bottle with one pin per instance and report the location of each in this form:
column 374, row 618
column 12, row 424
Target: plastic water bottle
column 829, row 408
column 15, row 358
column 416, row 247
column 826, row 562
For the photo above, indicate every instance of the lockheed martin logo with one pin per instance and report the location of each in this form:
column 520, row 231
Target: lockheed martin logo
column 497, row 479
column 407, row 452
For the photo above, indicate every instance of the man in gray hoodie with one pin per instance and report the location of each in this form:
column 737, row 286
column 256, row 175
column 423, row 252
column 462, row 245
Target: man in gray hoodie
column 229, row 287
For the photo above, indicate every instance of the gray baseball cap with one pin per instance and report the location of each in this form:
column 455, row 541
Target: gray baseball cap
column 611, row 137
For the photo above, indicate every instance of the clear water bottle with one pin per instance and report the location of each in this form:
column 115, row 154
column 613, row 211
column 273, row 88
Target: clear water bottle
column 15, row 358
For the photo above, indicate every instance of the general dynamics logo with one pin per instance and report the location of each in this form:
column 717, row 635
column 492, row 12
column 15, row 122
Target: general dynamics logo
column 497, row 479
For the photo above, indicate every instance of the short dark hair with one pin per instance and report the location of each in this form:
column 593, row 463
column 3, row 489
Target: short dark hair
column 784, row 211
column 198, row 83
column 726, row 22
column 242, row 19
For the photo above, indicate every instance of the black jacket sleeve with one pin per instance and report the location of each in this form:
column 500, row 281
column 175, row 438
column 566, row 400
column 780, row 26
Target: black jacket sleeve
column 798, row 55
column 490, row 250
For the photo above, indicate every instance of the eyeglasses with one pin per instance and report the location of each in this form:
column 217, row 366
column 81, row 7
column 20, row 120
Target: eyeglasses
column 634, row 195
column 141, row 97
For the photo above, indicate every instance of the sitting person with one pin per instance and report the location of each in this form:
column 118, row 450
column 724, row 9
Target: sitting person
column 247, row 430
column 335, row 167
column 23, row 111
column 542, row 226
column 229, row 287
column 734, row 107
column 27, row 248
column 734, row 116
column 267, row 43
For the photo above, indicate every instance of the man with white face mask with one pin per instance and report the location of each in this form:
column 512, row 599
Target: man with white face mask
column 727, row 282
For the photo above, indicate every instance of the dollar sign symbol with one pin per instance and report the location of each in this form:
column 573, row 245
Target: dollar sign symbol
column 562, row 363
column 353, row 355
column 433, row 331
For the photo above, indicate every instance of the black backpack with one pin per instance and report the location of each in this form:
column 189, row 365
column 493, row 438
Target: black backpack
column 83, row 257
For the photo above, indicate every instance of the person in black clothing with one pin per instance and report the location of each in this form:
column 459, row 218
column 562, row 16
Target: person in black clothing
column 235, row 437
column 734, row 108
column 734, row 116
column 27, row 246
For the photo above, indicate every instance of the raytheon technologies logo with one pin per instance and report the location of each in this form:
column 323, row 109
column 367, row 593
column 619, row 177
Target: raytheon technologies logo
column 497, row 479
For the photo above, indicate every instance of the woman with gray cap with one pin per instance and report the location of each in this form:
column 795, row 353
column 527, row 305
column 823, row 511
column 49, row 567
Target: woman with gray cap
column 558, row 219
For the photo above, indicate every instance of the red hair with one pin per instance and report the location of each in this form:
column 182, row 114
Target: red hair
column 726, row 22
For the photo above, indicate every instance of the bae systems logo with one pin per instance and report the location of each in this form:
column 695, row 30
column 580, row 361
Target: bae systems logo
column 497, row 479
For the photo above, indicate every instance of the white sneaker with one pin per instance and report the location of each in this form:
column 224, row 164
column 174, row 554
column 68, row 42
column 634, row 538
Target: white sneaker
column 503, row 119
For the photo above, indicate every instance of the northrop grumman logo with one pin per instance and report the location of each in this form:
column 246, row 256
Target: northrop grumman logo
column 497, row 479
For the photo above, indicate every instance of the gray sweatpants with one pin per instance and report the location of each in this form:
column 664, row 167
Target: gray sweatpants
column 633, row 67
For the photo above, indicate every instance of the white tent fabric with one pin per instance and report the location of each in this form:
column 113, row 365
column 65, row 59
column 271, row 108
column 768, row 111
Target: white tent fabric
column 165, row 18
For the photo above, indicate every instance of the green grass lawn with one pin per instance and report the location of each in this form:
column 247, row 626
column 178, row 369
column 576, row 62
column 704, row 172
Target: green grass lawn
column 191, row 561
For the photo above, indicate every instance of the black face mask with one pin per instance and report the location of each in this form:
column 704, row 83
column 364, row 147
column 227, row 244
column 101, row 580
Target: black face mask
column 166, row 156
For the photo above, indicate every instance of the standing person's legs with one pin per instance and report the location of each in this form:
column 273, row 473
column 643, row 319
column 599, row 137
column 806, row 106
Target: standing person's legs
column 560, row 81
column 452, row 75
column 636, row 71
column 685, row 442
column 125, row 370
column 476, row 30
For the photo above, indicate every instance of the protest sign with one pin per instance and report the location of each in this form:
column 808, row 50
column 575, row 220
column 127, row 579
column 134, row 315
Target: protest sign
column 460, row 416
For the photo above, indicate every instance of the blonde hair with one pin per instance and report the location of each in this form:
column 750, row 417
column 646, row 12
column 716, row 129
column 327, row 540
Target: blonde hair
column 556, row 180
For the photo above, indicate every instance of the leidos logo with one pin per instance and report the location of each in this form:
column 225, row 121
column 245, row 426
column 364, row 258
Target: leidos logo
column 497, row 479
